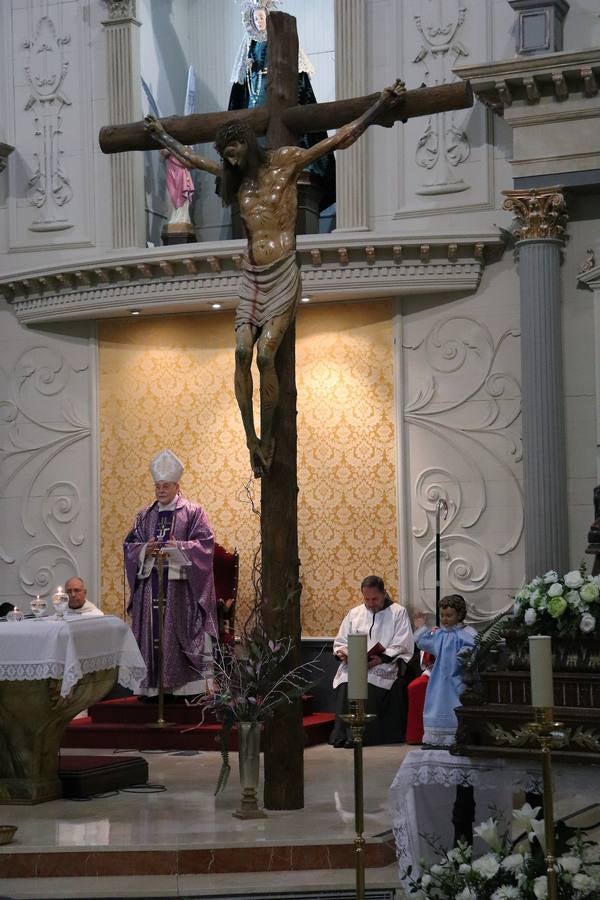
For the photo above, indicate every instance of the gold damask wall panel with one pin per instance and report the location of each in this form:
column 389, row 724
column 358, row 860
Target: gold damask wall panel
column 169, row 382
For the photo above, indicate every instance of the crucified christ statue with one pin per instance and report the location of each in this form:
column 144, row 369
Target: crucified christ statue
column 264, row 184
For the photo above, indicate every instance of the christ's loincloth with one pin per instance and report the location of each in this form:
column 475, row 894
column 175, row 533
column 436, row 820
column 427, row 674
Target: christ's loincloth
column 268, row 291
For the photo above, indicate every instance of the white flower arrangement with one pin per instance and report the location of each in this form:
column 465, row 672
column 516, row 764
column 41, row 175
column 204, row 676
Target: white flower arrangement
column 508, row 871
column 565, row 605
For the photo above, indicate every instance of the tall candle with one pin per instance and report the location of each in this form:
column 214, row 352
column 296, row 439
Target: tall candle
column 540, row 664
column 357, row 667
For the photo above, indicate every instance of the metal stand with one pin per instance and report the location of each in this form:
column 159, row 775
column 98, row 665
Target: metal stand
column 357, row 718
column 442, row 506
column 548, row 734
column 160, row 568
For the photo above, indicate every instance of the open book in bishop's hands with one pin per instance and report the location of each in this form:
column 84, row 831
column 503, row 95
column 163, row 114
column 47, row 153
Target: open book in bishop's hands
column 375, row 650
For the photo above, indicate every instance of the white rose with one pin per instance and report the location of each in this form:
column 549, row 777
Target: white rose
column 488, row 831
column 587, row 623
column 514, row 861
column 426, row 880
column 582, row 882
column 589, row 592
column 465, row 869
column 571, row 864
column 530, row 616
column 573, row 579
column 486, row 866
column 555, row 590
column 540, row 887
column 550, row 577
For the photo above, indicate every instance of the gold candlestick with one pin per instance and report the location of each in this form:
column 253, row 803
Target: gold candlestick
column 548, row 734
column 357, row 719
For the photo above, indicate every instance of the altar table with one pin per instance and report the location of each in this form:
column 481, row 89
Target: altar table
column 51, row 669
column 423, row 793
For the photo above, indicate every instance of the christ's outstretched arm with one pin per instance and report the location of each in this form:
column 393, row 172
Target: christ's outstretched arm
column 186, row 156
column 349, row 134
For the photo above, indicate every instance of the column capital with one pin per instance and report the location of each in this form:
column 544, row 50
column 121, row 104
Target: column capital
column 539, row 213
column 118, row 10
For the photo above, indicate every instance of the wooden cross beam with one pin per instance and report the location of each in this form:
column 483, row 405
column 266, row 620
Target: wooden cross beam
column 281, row 120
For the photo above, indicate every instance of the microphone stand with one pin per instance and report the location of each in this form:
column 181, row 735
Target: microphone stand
column 441, row 506
column 160, row 568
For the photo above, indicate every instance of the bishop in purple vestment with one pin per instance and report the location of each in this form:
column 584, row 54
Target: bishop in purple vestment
column 190, row 619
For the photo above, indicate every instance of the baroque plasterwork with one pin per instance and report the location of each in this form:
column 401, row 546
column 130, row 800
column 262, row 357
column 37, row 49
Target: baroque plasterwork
column 191, row 277
column 477, row 426
column 49, row 186
column 443, row 143
column 40, row 420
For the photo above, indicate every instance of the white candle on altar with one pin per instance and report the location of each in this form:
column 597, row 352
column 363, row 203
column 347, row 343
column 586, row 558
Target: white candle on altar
column 540, row 668
column 357, row 667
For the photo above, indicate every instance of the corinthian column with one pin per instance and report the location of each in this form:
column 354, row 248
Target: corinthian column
column 351, row 81
column 125, row 105
column 541, row 220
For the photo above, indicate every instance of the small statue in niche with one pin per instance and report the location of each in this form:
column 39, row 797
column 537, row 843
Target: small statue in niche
column 180, row 189
column 589, row 262
column 249, row 88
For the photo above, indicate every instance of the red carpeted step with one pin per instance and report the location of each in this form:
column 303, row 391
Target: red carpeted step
column 86, row 733
column 129, row 710
column 132, row 710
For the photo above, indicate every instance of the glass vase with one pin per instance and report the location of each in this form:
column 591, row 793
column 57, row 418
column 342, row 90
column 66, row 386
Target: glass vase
column 249, row 763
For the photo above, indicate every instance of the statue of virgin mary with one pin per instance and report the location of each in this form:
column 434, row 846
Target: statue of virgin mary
column 249, row 86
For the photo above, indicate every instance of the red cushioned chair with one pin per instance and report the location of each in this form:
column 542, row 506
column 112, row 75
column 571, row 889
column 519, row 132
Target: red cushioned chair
column 416, row 701
column 226, row 572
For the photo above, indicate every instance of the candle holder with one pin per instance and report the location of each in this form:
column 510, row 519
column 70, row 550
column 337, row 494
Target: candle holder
column 549, row 735
column 357, row 719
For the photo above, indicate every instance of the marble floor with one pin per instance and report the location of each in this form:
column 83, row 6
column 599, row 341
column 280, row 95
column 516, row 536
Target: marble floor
column 185, row 814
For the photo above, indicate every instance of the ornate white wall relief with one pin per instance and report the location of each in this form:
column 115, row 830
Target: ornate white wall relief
column 445, row 161
column 51, row 197
column 443, row 145
column 45, row 473
column 462, row 422
column 46, row 70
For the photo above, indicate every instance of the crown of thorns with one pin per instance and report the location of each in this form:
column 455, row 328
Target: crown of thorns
column 230, row 132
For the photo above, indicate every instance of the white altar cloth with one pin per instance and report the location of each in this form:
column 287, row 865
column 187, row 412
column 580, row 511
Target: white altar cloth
column 423, row 792
column 69, row 649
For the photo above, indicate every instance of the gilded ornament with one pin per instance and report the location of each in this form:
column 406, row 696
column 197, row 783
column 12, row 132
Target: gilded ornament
column 539, row 213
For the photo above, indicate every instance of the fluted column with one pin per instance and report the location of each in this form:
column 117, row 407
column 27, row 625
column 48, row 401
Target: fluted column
column 541, row 219
column 125, row 105
column 351, row 81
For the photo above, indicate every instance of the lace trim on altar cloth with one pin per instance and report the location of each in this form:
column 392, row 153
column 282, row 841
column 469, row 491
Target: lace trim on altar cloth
column 128, row 676
column 439, row 737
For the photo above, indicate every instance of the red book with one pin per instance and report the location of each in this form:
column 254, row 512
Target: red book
column 376, row 650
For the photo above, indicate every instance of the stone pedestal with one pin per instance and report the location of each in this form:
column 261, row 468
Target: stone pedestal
column 33, row 718
column 539, row 25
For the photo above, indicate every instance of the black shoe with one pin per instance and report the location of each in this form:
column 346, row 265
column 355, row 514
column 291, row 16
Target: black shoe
column 340, row 742
column 348, row 745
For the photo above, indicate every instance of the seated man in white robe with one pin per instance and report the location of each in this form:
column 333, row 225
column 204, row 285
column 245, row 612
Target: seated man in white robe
column 79, row 605
column 390, row 647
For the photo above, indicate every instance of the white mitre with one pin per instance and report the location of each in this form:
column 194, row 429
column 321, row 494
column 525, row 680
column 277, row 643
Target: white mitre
column 166, row 467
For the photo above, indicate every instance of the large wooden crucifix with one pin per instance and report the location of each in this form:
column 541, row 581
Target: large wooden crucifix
column 274, row 457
